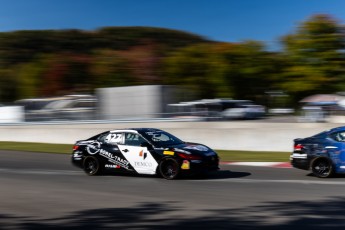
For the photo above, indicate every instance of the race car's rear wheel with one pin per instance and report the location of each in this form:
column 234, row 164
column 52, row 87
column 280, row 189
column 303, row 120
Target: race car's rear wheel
column 322, row 168
column 92, row 166
column 169, row 168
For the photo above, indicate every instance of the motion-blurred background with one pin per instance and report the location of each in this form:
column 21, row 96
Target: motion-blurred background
column 125, row 72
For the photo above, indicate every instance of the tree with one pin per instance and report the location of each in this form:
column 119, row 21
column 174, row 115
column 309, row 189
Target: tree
column 8, row 89
column 28, row 79
column 250, row 70
column 315, row 58
column 197, row 68
column 110, row 69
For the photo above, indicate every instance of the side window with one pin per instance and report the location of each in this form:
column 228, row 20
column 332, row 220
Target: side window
column 114, row 138
column 102, row 137
column 133, row 139
column 340, row 136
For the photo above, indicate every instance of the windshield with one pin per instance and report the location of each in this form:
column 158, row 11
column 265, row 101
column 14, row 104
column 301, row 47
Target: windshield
column 162, row 139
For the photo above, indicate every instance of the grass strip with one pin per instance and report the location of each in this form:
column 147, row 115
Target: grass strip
column 225, row 155
column 253, row 156
column 36, row 147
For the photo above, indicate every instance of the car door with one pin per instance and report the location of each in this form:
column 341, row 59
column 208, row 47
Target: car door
column 139, row 157
column 111, row 154
column 337, row 153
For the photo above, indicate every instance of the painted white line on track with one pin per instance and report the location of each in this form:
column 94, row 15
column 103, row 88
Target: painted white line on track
column 41, row 172
column 260, row 164
column 321, row 181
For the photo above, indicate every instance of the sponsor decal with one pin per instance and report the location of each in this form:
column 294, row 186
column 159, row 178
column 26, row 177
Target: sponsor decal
column 94, row 148
column 197, row 147
column 143, row 154
column 112, row 166
column 114, row 138
column 114, row 159
column 171, row 153
column 185, row 165
column 142, row 164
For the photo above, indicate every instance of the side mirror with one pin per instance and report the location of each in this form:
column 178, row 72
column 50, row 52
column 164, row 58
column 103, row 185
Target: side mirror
column 147, row 145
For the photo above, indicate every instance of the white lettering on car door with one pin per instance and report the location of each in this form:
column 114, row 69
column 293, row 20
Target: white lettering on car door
column 140, row 158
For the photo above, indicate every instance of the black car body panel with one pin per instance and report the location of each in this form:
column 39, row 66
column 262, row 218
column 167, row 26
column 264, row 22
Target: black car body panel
column 142, row 151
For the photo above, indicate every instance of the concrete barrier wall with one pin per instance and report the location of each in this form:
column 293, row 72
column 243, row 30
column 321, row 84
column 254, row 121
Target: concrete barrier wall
column 11, row 114
column 241, row 135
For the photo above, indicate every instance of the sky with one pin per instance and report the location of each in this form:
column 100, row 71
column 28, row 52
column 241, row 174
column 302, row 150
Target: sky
column 219, row 20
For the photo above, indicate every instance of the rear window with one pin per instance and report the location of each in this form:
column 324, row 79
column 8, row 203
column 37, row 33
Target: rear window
column 321, row 135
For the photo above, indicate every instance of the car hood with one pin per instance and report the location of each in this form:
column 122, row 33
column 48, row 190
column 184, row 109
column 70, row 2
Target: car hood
column 193, row 148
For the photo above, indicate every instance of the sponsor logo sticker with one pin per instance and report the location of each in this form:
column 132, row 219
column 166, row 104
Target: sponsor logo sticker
column 143, row 154
column 112, row 166
column 93, row 148
column 171, row 153
column 143, row 164
column 185, row 165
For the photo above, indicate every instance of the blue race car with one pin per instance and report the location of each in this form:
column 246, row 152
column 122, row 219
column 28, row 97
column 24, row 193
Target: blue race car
column 323, row 153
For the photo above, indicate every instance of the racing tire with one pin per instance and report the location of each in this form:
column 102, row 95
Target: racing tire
column 92, row 166
column 169, row 168
column 322, row 168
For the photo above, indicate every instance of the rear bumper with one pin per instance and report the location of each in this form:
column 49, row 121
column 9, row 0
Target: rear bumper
column 300, row 161
column 77, row 160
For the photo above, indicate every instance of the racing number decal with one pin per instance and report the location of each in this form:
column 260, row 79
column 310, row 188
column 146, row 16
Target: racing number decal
column 140, row 158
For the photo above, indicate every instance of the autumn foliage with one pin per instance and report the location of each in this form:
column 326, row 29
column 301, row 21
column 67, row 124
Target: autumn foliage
column 56, row 62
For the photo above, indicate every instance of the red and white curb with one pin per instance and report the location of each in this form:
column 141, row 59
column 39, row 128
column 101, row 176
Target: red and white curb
column 260, row 164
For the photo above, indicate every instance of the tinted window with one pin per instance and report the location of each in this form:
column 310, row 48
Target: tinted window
column 160, row 138
column 133, row 139
column 339, row 136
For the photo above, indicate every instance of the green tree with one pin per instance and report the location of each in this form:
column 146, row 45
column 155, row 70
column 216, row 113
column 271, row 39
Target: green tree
column 315, row 58
column 8, row 89
column 28, row 77
column 198, row 69
column 110, row 69
column 250, row 70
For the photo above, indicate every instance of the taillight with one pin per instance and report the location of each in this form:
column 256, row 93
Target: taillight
column 75, row 147
column 189, row 156
column 298, row 147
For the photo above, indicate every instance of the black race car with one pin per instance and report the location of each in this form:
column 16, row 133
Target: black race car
column 143, row 151
column 323, row 153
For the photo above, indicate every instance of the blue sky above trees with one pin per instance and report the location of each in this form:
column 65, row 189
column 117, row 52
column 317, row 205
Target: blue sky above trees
column 221, row 20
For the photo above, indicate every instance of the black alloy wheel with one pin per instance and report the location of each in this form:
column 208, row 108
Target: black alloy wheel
column 322, row 168
column 91, row 166
column 169, row 168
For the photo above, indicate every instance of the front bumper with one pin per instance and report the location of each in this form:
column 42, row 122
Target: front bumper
column 203, row 166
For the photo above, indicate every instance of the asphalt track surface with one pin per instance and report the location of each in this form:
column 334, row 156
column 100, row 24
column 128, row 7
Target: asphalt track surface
column 44, row 191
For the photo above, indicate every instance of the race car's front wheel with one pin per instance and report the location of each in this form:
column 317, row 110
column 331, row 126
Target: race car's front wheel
column 92, row 166
column 322, row 168
column 169, row 168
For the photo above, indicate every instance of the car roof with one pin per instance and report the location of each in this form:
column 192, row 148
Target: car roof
column 138, row 130
column 341, row 128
